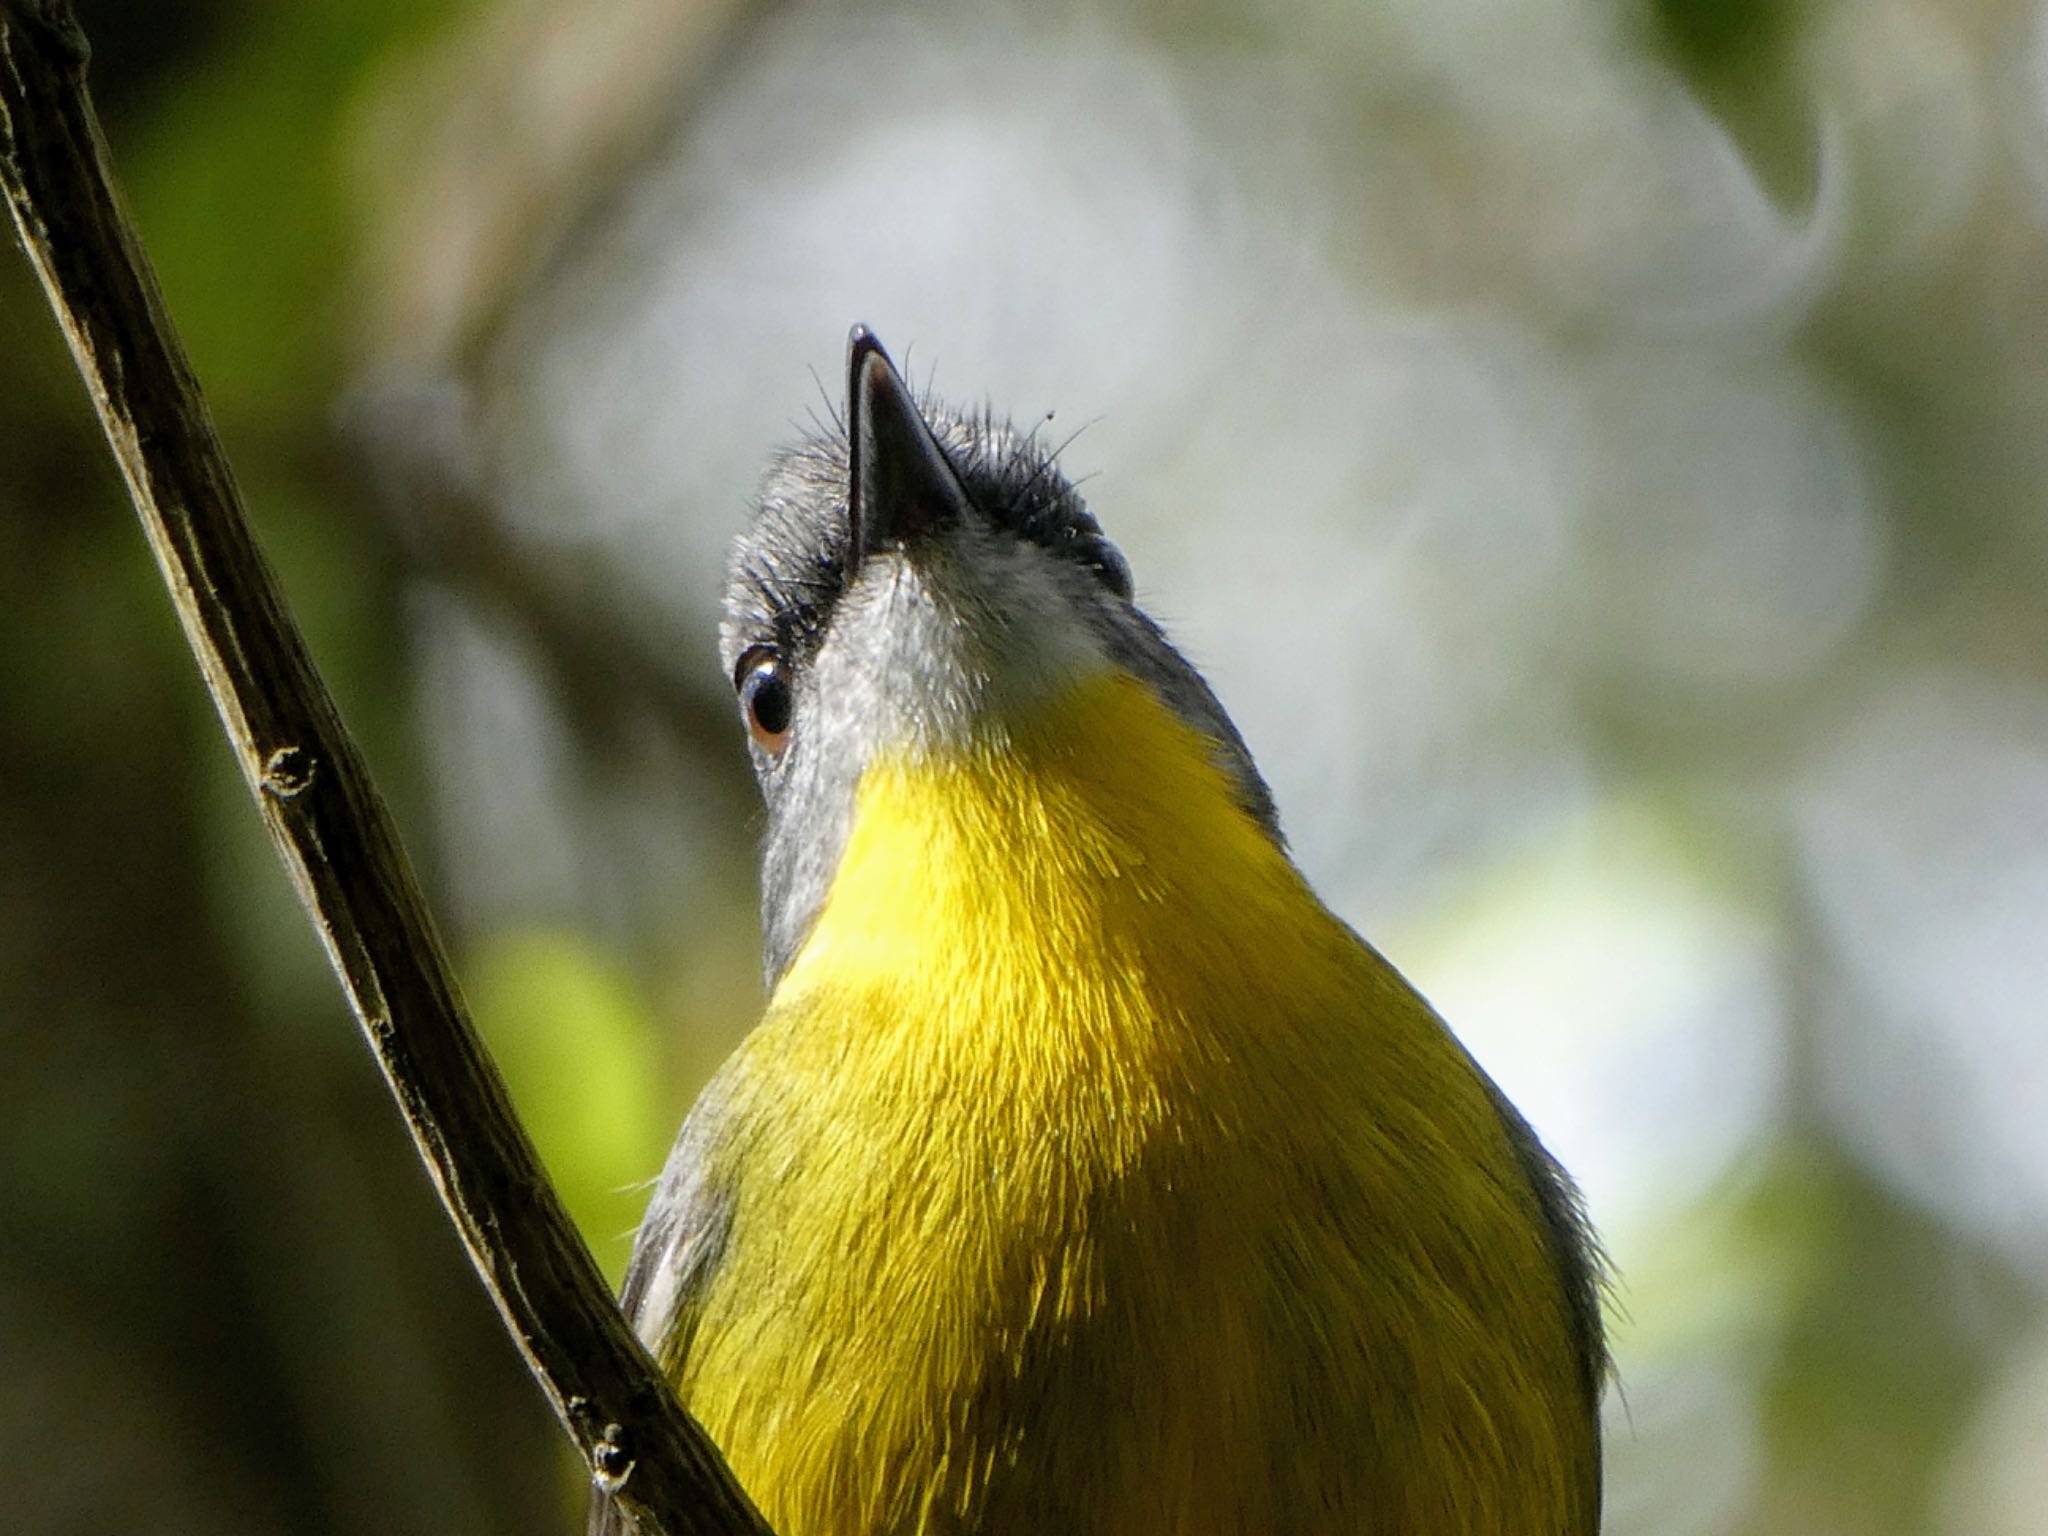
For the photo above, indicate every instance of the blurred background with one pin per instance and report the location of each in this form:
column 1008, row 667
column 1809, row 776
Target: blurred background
column 1595, row 447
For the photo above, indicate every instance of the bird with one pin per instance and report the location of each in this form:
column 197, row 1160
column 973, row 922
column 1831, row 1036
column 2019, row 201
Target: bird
column 1084, row 1173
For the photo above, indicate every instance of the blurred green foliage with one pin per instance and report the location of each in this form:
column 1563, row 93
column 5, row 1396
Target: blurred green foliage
column 574, row 1039
column 1714, row 36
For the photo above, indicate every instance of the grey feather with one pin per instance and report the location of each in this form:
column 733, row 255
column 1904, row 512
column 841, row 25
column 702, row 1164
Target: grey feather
column 675, row 1252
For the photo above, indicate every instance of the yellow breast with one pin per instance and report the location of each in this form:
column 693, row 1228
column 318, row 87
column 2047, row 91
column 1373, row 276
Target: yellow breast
column 1087, row 1175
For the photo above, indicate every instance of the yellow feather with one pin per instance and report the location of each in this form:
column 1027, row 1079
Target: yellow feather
column 1089, row 1176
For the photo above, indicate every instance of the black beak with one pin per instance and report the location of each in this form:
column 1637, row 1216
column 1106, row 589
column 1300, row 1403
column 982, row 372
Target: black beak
column 902, row 485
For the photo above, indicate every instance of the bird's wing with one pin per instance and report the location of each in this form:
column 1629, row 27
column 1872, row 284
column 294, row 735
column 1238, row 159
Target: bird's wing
column 682, row 1236
column 1581, row 1266
column 675, row 1252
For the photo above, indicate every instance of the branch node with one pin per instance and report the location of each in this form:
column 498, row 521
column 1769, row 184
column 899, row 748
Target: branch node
column 288, row 772
column 610, row 1462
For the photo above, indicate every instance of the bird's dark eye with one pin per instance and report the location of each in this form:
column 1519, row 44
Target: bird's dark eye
column 763, row 685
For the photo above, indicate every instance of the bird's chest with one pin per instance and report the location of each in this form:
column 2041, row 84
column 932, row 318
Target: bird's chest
column 992, row 1288
column 1086, row 1177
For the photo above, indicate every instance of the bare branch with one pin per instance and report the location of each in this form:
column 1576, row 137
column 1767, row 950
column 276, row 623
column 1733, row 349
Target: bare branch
column 333, row 831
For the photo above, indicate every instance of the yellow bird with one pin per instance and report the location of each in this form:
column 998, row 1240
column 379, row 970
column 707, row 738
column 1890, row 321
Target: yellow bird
column 1085, row 1174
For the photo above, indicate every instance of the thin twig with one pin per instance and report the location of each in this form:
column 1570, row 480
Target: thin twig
column 333, row 831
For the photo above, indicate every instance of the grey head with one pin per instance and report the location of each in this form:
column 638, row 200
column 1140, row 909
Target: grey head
column 913, row 575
